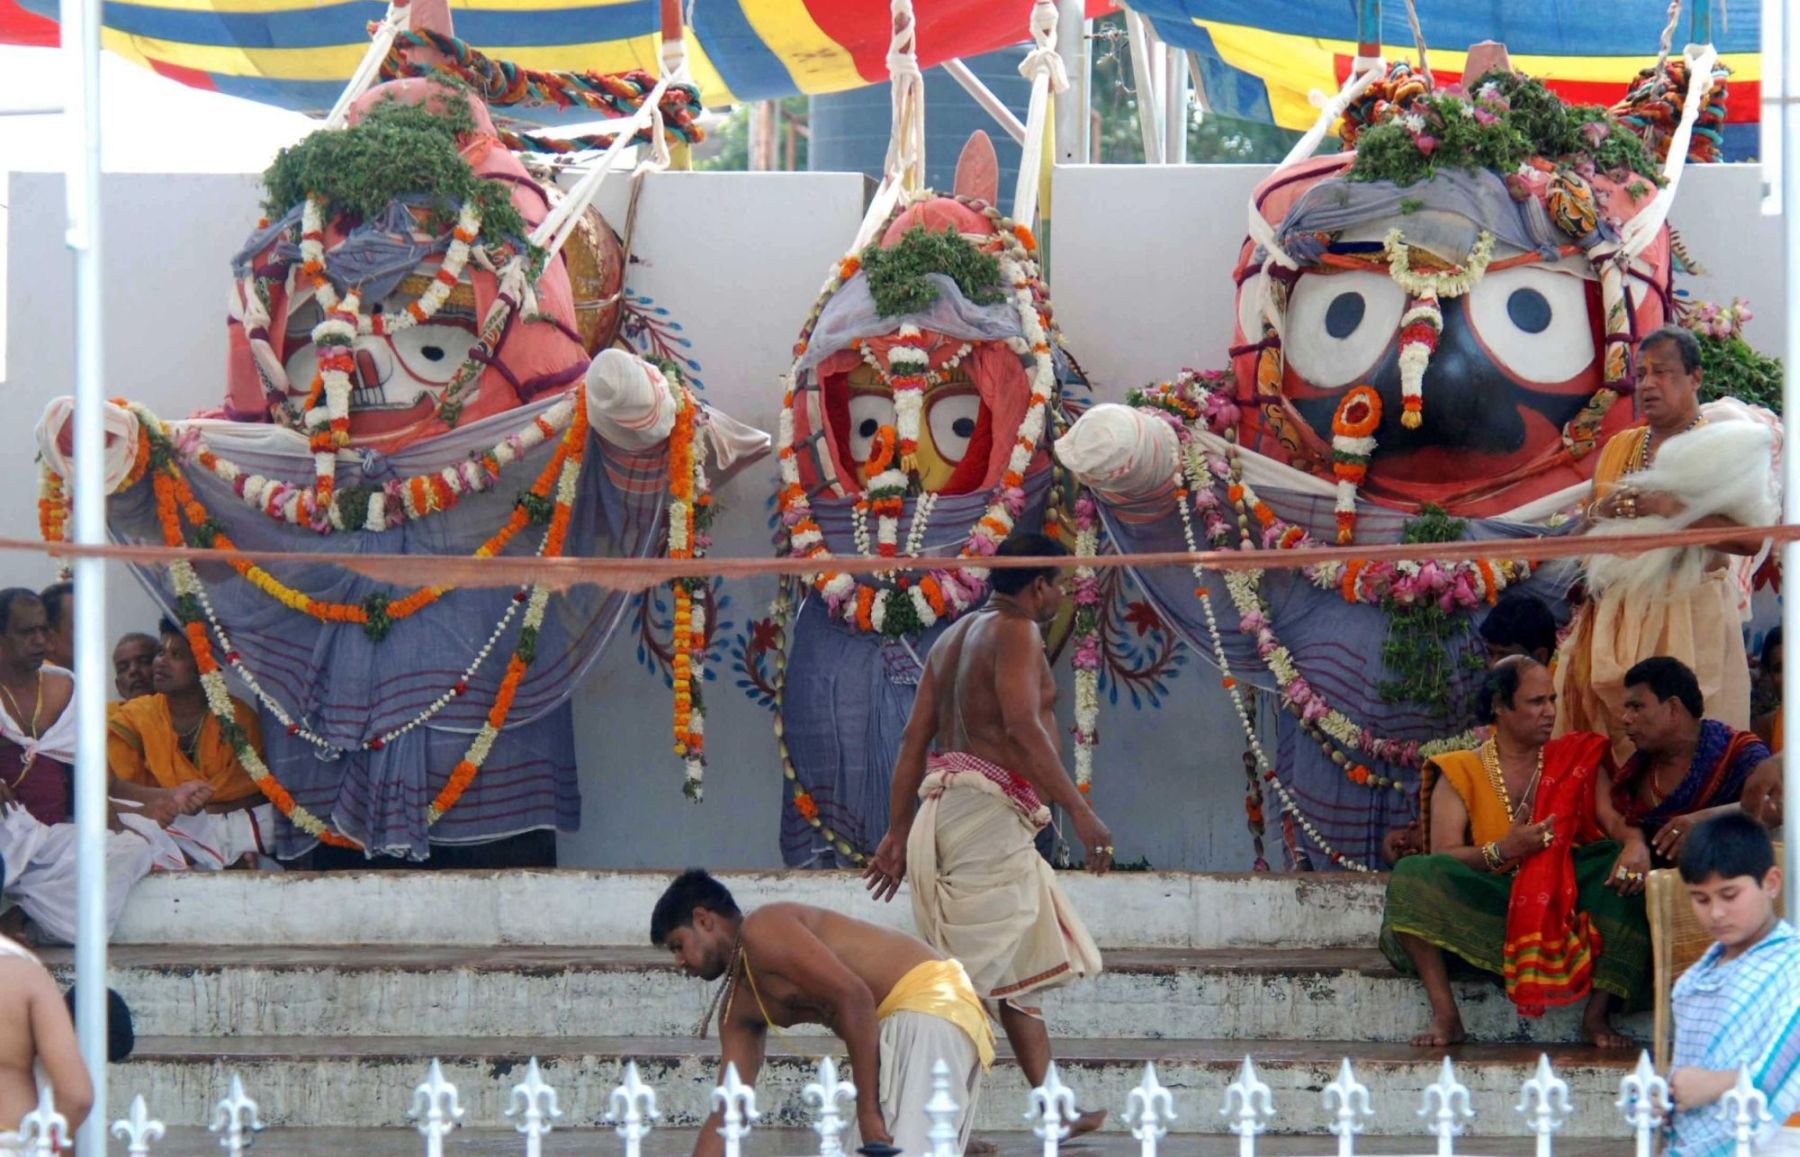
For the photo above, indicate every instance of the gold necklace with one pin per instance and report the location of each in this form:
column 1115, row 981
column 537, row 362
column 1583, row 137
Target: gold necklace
column 1644, row 447
column 37, row 713
column 1489, row 754
column 727, row 988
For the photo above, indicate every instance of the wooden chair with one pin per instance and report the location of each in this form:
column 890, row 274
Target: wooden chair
column 1676, row 940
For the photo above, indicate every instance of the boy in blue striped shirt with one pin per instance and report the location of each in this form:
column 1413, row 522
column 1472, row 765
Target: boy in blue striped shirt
column 1739, row 1005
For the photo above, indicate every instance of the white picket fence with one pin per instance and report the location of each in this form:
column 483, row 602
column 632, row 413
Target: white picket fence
column 1249, row 1105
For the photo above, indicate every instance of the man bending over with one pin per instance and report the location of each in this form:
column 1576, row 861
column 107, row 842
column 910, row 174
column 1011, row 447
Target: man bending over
column 897, row 1005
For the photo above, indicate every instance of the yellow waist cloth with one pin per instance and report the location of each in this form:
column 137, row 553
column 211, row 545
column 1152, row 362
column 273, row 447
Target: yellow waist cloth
column 941, row 988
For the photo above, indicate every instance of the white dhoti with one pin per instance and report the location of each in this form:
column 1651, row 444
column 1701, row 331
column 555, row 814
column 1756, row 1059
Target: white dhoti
column 981, row 893
column 212, row 842
column 40, row 871
column 12, row 1145
column 931, row 1015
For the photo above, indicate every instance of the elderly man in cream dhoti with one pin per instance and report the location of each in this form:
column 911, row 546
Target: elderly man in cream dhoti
column 986, row 711
column 1689, row 466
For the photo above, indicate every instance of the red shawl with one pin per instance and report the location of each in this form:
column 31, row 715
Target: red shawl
column 1550, row 945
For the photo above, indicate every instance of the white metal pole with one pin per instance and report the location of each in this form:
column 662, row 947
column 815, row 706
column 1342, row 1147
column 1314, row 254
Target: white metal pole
column 1072, row 29
column 1175, row 115
column 1786, row 76
column 1149, row 105
column 81, row 51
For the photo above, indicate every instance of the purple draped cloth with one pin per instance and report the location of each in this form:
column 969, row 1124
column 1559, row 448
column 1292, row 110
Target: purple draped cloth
column 1337, row 648
column 348, row 688
column 849, row 692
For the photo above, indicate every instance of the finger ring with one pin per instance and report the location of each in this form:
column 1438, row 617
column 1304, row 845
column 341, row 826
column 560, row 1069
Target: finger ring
column 1549, row 837
column 1107, row 850
column 1621, row 874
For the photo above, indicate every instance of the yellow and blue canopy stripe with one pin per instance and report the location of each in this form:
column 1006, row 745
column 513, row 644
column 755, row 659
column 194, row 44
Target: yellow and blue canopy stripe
column 299, row 53
column 1261, row 60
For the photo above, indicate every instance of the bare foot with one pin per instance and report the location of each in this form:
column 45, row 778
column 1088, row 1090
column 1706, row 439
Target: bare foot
column 1598, row 1031
column 1443, row 1033
column 979, row 1147
column 1087, row 1123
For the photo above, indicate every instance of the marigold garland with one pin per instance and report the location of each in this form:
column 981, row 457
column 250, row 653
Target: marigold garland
column 690, row 515
column 175, row 502
column 916, row 603
column 1353, row 429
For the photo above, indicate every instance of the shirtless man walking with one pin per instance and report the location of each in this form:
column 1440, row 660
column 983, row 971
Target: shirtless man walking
column 898, row 1006
column 978, row 759
column 35, row 1032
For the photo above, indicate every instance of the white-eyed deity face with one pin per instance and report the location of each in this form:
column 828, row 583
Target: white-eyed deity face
column 399, row 378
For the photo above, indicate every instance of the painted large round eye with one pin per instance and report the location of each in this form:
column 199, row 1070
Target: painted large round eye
column 1535, row 322
column 433, row 353
column 302, row 362
column 951, row 419
column 1249, row 306
column 868, row 413
column 1339, row 325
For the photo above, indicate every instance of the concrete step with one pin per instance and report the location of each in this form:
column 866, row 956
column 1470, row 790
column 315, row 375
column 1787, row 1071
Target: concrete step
column 368, row 1081
column 567, row 907
column 363, row 990
column 1111, row 1141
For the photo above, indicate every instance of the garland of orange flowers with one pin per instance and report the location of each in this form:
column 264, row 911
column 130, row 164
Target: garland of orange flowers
column 175, row 502
column 378, row 613
column 690, row 514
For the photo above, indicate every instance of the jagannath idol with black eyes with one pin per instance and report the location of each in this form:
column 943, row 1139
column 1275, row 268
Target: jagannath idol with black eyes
column 914, row 422
column 1433, row 335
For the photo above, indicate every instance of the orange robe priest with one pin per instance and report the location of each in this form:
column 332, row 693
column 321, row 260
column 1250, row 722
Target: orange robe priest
column 143, row 747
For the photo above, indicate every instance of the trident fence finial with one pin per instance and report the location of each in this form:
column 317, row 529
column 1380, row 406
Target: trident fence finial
column 739, row 1102
column 633, row 1106
column 1052, row 1104
column 1352, row 1108
column 138, row 1130
column 237, row 1117
column 1445, row 1122
column 534, row 1103
column 1255, row 1105
column 1644, row 1099
column 942, row 1109
column 1544, row 1099
column 1746, row 1109
column 436, row 1108
column 44, row 1131
column 1149, row 1108
column 826, row 1094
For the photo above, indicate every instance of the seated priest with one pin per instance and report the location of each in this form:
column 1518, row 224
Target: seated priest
column 172, row 757
column 1685, row 769
column 1519, row 881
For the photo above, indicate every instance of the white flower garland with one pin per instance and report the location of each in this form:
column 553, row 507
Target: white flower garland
column 294, row 504
column 450, row 270
column 1246, row 582
column 1447, row 284
column 805, row 540
column 1087, row 679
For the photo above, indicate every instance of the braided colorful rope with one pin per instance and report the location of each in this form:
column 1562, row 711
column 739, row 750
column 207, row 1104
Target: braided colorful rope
column 503, row 84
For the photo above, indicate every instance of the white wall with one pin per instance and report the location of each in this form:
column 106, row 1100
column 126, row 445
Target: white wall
column 1141, row 286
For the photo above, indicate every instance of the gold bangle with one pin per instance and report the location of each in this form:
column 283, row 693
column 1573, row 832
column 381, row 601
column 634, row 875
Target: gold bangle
column 1490, row 854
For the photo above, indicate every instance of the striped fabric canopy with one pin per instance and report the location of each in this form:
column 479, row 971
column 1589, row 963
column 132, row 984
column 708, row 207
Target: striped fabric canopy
column 298, row 53
column 1260, row 59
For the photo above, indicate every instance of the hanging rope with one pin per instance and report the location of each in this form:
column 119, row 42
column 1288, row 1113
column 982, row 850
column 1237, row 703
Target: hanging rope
column 1044, row 69
column 502, row 84
column 1667, row 44
column 905, row 165
column 1412, row 18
